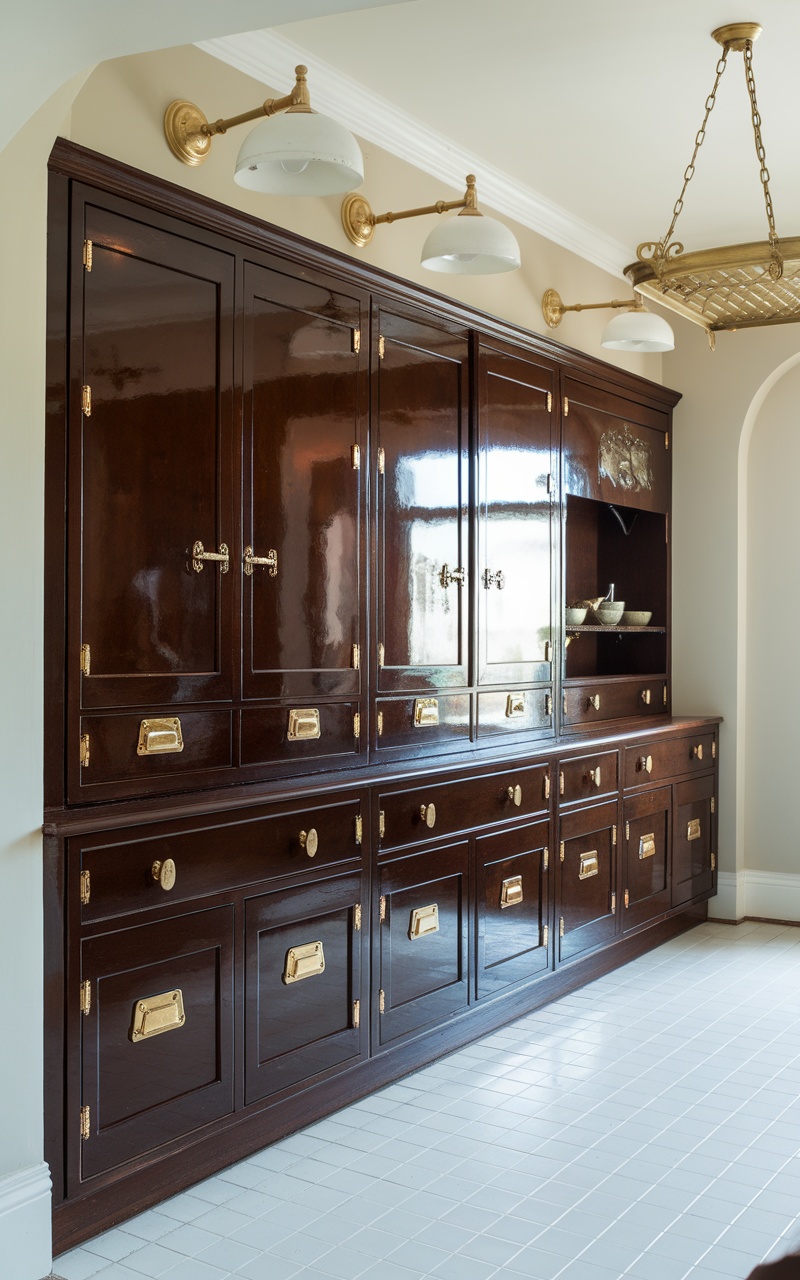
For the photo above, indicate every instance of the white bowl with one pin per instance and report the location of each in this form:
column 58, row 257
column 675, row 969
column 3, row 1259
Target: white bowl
column 609, row 612
column 636, row 617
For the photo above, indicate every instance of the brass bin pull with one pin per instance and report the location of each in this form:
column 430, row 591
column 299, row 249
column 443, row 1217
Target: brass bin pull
column 493, row 579
column 645, row 764
column 426, row 712
column 424, row 920
column 594, row 776
column 309, row 840
column 647, row 845
column 511, row 892
column 515, row 794
column 269, row 561
column 516, row 705
column 303, row 724
column 590, row 865
column 307, row 961
column 428, row 814
column 160, row 737
column 448, row 576
column 697, row 752
column 693, row 829
column 157, row 1014
column 199, row 554
column 164, row 873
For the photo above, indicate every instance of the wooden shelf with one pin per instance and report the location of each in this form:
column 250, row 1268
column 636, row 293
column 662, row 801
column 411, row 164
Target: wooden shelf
column 658, row 631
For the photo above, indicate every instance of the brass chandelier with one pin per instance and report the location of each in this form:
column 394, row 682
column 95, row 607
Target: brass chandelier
column 739, row 286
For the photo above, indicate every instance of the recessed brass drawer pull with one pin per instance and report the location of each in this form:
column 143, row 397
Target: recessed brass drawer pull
column 428, row 814
column 693, row 829
column 511, row 892
column 448, row 576
column 199, row 554
column 424, row 920
column 164, row 873
column 590, row 865
column 159, row 737
column 697, row 752
column 595, row 776
column 303, row 724
column 593, row 701
column 426, row 712
column 647, row 845
column 515, row 705
column 515, row 794
column 645, row 764
column 309, row 840
column 302, row 962
column 269, row 561
column 157, row 1014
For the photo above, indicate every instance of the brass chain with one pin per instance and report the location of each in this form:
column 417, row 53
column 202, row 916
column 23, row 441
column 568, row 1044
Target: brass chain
column 764, row 173
column 698, row 142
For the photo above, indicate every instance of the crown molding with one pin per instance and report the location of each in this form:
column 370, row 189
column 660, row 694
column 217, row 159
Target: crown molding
column 270, row 58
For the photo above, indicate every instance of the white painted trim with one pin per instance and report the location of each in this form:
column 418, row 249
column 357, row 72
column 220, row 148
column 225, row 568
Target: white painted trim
column 25, row 1239
column 729, row 902
column 271, row 58
column 772, row 895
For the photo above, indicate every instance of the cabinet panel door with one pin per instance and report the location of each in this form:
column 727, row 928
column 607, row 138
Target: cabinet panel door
column 512, row 903
column 421, row 401
column 587, row 877
column 150, row 460
column 305, row 400
column 515, row 479
column 156, row 1064
column 694, row 840
column 303, row 981
column 615, row 448
column 646, row 856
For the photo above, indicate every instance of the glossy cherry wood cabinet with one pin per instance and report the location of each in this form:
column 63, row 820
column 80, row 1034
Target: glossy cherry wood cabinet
column 646, row 851
column 512, row 901
column 586, row 900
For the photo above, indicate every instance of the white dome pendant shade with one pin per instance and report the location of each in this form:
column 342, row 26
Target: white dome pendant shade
column 470, row 245
column 299, row 153
column 638, row 330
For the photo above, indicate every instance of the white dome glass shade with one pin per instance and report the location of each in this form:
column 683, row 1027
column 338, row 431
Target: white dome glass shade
column 470, row 245
column 299, row 153
column 638, row 331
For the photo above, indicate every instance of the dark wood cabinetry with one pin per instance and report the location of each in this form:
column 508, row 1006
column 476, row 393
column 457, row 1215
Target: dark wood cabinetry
column 330, row 786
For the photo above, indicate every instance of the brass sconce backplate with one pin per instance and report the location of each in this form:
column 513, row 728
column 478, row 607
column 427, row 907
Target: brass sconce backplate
column 357, row 220
column 183, row 122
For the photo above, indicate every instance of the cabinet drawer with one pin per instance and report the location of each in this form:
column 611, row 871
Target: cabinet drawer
column 598, row 700
column 655, row 761
column 586, row 902
column 152, row 751
column 420, row 724
column 122, row 874
column 409, row 817
column 585, row 777
column 512, row 903
column 272, row 735
column 694, row 840
column 523, row 711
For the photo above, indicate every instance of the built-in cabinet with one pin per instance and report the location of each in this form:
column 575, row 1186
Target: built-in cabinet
column 330, row 786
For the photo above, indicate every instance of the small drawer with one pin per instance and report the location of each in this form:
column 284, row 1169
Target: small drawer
column 145, row 747
column 424, row 812
column 599, row 700
column 587, row 777
column 515, row 711
column 430, row 721
column 125, row 872
column 655, row 761
column 302, row 731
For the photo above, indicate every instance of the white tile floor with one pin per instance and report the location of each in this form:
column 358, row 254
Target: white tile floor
column 647, row 1125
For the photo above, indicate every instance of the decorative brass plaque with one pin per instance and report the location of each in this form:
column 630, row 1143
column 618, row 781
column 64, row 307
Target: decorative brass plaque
column 303, row 724
column 515, row 705
column 625, row 460
column 302, row 962
column 157, row 1014
column 160, row 737
column 693, row 829
column 426, row 712
column 590, row 865
column 647, row 845
column 511, row 892
column 424, row 920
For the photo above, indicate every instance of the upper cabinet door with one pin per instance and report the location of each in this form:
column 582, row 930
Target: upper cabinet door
column 515, row 502
column 616, row 449
column 150, row 465
column 421, row 405
column 305, row 406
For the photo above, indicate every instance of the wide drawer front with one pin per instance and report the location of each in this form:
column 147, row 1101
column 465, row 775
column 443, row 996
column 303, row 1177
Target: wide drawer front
column 149, row 751
column 407, row 817
column 301, row 732
column 523, row 711
column 599, row 700
column 422, row 723
column 653, row 761
column 586, row 777
column 122, row 875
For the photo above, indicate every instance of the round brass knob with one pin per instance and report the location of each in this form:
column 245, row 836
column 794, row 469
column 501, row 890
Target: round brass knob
column 428, row 814
column 515, row 794
column 309, row 840
column 164, row 873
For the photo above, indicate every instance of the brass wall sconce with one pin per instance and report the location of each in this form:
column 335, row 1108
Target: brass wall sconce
column 636, row 329
column 294, row 151
column 469, row 244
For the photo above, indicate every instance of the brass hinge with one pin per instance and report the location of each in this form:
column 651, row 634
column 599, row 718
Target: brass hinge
column 549, row 402
column 86, row 659
column 357, row 724
column 380, row 724
column 614, row 835
column 613, row 903
column 545, row 935
column 86, row 997
column 666, row 439
column 86, row 888
column 713, row 804
column 549, row 482
column 86, row 1123
column 357, row 917
column 561, row 927
column 713, row 862
column 382, row 912
column 664, row 696
column 713, row 750
column 627, row 831
column 359, row 838
column 545, row 858
column 566, row 407
column 548, row 651
column 382, row 1000
column 561, row 782
column 666, row 527
column 547, row 786
column 355, row 457
column 381, row 824
column 381, row 655
column 548, row 704
column 564, row 704
column 356, row 656
column 381, row 461
column 356, row 1013
column 627, row 898
column 356, row 341
column 562, row 851
column 87, row 254
column 84, row 751
column 86, row 401
column 381, row 347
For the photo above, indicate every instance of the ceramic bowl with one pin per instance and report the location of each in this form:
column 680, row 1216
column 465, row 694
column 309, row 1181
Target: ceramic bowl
column 574, row 617
column 636, row 617
column 609, row 612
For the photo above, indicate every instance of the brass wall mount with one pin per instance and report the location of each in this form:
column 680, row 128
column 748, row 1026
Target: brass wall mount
column 359, row 221
column 189, row 132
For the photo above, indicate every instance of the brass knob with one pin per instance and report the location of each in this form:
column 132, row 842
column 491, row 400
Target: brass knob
column 428, row 814
column 309, row 840
column 515, row 794
column 594, row 776
column 164, row 873
column 645, row 695
column 697, row 752
column 646, row 764
column 594, row 701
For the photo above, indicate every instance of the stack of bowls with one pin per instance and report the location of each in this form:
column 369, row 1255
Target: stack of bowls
column 609, row 612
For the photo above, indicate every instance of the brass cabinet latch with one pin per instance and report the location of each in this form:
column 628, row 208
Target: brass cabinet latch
column 549, row 402
column 199, row 554
column 566, row 406
column 713, row 862
column 614, row 835
column 516, row 706
column 448, row 576
column 593, row 701
column 426, row 712
column 497, row 579
column 269, row 561
column 697, row 752
column 713, row 804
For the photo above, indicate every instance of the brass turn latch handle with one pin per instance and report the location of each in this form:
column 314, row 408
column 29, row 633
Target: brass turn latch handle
column 448, row 576
column 515, row 794
column 594, row 701
column 428, row 814
column 594, row 776
column 164, row 873
column 494, row 579
column 199, row 554
column 697, row 752
column 645, row 696
column 645, row 764
column 309, row 840
column 269, row 561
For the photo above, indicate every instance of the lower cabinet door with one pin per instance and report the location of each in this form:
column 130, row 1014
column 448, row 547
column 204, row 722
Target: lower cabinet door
column 423, row 941
column 303, row 976
column 157, row 1041
column 586, row 910
column 694, row 840
column 512, row 907
column 646, row 857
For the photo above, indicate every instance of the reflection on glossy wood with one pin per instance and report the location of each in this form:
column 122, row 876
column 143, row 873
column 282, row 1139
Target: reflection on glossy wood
column 614, row 448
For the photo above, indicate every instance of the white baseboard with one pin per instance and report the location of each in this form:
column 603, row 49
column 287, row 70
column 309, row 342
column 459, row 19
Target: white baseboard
column 765, row 895
column 25, row 1237
column 729, row 902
